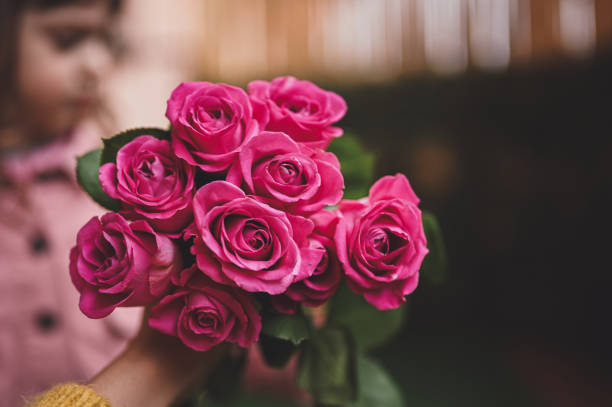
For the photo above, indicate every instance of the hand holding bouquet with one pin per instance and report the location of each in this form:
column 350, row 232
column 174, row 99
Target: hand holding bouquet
column 231, row 226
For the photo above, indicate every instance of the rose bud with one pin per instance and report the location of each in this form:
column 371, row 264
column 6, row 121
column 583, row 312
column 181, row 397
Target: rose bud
column 152, row 183
column 286, row 175
column 116, row 263
column 202, row 313
column 381, row 243
column 211, row 122
column 300, row 108
column 316, row 289
column 241, row 241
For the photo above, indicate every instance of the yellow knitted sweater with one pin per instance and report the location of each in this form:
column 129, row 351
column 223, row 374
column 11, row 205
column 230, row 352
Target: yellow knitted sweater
column 70, row 395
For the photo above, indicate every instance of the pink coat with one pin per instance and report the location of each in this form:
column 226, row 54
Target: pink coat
column 44, row 338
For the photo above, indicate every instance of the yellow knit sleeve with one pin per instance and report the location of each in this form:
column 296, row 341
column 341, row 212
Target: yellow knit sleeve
column 70, row 395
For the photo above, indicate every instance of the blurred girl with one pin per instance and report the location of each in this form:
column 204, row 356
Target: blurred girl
column 53, row 56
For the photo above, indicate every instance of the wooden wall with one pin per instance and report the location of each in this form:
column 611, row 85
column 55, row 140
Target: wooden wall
column 365, row 41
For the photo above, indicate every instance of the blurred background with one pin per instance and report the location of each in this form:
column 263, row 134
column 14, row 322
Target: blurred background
column 498, row 112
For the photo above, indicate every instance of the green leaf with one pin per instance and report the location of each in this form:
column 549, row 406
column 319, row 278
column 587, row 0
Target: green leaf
column 276, row 352
column 224, row 382
column 113, row 144
column 434, row 267
column 306, row 378
column 370, row 326
column 293, row 328
column 357, row 165
column 376, row 387
column 88, row 166
column 327, row 368
column 222, row 387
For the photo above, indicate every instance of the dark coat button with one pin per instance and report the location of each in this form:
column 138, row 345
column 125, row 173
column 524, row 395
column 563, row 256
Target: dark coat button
column 46, row 321
column 39, row 243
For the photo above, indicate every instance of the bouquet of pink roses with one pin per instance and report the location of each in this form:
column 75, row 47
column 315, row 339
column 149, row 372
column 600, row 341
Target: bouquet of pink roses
column 231, row 227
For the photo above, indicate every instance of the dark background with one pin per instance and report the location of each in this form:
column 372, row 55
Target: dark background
column 517, row 167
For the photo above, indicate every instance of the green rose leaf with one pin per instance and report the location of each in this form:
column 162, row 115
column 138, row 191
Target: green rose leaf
column 434, row 267
column 376, row 387
column 113, row 144
column 88, row 166
column 224, row 382
column 370, row 326
column 293, row 328
column 276, row 352
column 357, row 165
column 327, row 368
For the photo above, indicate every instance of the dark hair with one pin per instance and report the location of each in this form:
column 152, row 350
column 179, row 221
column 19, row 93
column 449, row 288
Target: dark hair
column 10, row 15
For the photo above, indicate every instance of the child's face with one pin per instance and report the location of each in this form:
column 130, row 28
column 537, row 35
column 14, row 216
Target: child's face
column 63, row 54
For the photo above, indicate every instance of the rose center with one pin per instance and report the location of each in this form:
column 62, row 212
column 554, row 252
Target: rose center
column 255, row 236
column 215, row 117
column 288, row 172
column 300, row 106
column 296, row 109
column 202, row 321
column 145, row 169
column 385, row 241
column 323, row 264
column 205, row 320
column 379, row 241
column 153, row 168
column 110, row 271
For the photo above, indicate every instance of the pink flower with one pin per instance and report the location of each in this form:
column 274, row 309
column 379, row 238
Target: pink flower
column 211, row 122
column 381, row 243
column 203, row 313
column 300, row 108
column 151, row 183
column 241, row 241
column 286, row 175
column 115, row 263
column 316, row 289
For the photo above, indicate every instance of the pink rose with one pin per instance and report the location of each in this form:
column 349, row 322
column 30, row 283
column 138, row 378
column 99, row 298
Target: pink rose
column 203, row 313
column 300, row 108
column 211, row 122
column 151, row 183
column 286, row 175
column 381, row 243
column 115, row 263
column 316, row 289
column 241, row 241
